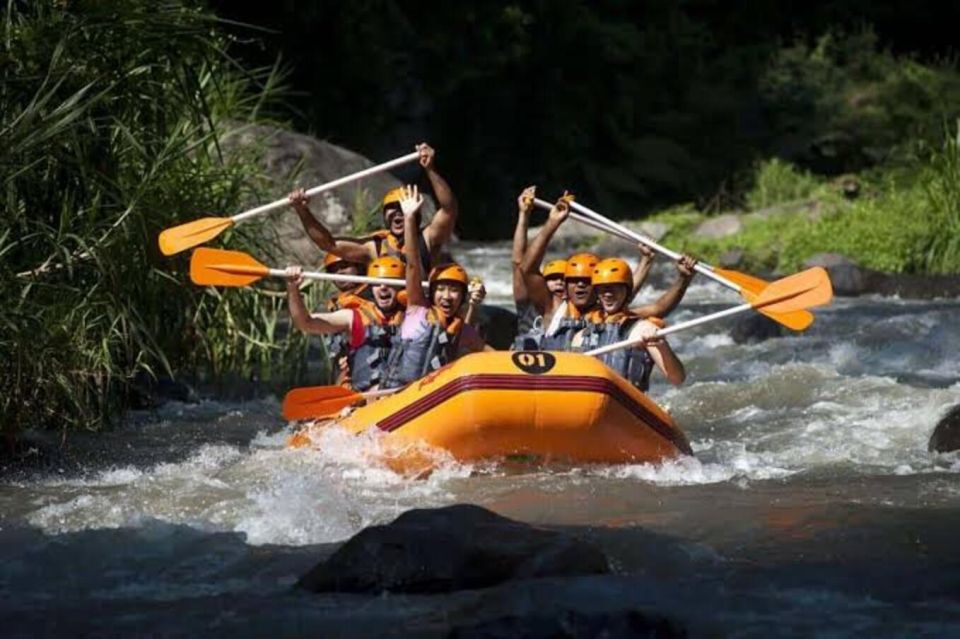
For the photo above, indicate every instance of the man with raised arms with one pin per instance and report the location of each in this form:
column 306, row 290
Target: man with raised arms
column 390, row 240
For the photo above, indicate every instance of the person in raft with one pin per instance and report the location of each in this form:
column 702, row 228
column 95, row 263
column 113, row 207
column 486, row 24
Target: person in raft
column 349, row 294
column 432, row 333
column 612, row 321
column 565, row 315
column 368, row 327
column 390, row 240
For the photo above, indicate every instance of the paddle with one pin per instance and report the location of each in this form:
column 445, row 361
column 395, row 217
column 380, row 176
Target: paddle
column 217, row 267
column 317, row 402
column 185, row 236
column 797, row 292
column 746, row 285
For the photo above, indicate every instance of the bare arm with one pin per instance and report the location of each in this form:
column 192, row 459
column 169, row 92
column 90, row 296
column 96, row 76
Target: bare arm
column 643, row 269
column 669, row 300
column 530, row 266
column 320, row 323
column 477, row 292
column 660, row 351
column 410, row 203
column 440, row 229
column 321, row 236
column 524, row 209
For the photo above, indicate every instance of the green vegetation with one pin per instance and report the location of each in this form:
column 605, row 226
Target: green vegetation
column 904, row 220
column 110, row 120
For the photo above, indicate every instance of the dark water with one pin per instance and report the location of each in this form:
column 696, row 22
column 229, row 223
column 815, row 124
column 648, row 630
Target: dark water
column 812, row 507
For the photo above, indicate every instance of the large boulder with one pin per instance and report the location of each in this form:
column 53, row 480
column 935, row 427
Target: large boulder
column 294, row 159
column 453, row 548
column 755, row 327
column 946, row 435
column 846, row 277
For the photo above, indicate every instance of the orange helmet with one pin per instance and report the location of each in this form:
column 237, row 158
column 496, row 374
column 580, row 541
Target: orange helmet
column 330, row 259
column 451, row 272
column 581, row 265
column 387, row 266
column 392, row 197
column 556, row 267
column 612, row 271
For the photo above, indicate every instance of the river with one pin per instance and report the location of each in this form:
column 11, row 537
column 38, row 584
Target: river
column 811, row 507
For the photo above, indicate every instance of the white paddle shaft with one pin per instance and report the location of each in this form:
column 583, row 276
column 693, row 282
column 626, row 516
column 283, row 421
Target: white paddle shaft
column 337, row 277
column 373, row 170
column 663, row 332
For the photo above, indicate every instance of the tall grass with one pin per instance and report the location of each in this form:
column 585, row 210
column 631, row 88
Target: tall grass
column 110, row 117
column 941, row 182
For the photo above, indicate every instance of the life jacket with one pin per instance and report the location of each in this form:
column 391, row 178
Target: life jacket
column 386, row 243
column 338, row 344
column 353, row 298
column 633, row 364
column 529, row 328
column 559, row 335
column 367, row 362
column 411, row 359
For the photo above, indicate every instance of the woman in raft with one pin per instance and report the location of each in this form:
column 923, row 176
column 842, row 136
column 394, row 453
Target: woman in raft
column 612, row 321
column 432, row 333
column 366, row 328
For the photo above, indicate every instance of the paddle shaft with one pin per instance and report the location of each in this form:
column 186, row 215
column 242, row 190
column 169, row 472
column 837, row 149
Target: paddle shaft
column 308, row 275
column 373, row 170
column 663, row 332
column 700, row 267
column 582, row 219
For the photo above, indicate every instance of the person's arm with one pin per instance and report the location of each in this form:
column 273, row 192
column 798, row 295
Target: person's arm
column 524, row 209
column 359, row 252
column 316, row 324
column 660, row 352
column 410, row 203
column 643, row 269
column 476, row 293
column 669, row 300
column 530, row 266
column 440, row 229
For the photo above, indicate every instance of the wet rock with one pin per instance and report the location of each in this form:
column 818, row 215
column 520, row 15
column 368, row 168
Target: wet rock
column 148, row 392
column 654, row 230
column 946, row 435
column 497, row 326
column 625, row 624
column 718, row 227
column 911, row 286
column 447, row 549
column 294, row 159
column 847, row 278
column 756, row 328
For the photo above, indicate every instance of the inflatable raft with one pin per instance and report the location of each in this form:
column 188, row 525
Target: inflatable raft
column 544, row 405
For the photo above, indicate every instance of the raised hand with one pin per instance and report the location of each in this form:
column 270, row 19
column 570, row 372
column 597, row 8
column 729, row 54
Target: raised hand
column 410, row 201
column 427, row 155
column 294, row 275
column 685, row 266
column 645, row 251
column 560, row 210
column 477, row 291
column 298, row 199
column 525, row 201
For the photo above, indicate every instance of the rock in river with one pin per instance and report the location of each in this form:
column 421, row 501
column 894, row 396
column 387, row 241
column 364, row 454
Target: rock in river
column 453, row 548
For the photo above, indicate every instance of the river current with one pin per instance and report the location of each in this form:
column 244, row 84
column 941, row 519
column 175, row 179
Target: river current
column 811, row 507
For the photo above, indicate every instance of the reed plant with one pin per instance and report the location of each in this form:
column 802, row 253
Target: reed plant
column 110, row 120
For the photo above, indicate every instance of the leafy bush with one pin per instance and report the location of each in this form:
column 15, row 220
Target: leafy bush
column 776, row 182
column 110, row 117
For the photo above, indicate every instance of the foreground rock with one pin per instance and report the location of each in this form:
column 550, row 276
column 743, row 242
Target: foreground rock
column 946, row 435
column 847, row 278
column 756, row 328
column 446, row 549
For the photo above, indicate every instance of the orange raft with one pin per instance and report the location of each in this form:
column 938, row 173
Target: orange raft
column 551, row 406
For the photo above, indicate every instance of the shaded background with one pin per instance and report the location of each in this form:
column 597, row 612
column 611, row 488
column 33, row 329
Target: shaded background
column 633, row 105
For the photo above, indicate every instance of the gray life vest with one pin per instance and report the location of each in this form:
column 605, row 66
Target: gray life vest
column 368, row 361
column 411, row 359
column 562, row 337
column 633, row 364
column 529, row 330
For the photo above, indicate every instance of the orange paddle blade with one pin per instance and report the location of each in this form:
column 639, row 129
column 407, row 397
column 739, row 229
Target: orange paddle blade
column 180, row 238
column 752, row 286
column 216, row 267
column 314, row 402
column 797, row 292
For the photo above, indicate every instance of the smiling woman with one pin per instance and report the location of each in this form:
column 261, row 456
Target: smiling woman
column 98, row 157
